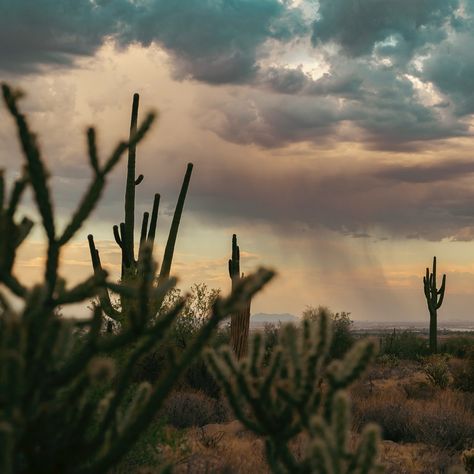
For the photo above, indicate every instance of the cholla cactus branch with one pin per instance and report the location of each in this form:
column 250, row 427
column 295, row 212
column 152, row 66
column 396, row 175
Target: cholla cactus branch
column 62, row 401
column 285, row 398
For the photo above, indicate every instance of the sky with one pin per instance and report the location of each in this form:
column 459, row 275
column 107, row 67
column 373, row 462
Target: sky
column 334, row 137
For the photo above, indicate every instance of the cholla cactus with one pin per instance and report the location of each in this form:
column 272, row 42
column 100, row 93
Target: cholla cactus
column 299, row 391
column 63, row 405
column 124, row 233
column 240, row 321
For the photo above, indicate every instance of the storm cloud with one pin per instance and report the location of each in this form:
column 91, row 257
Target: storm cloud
column 396, row 27
column 393, row 74
column 215, row 42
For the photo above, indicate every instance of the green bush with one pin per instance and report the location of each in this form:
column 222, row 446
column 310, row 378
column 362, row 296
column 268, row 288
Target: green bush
column 342, row 338
column 462, row 372
column 457, row 346
column 404, row 345
column 436, row 371
column 189, row 322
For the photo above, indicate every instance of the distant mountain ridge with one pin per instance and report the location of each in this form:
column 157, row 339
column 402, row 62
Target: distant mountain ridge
column 259, row 319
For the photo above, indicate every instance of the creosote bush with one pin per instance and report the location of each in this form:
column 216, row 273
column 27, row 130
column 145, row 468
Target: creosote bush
column 342, row 338
column 184, row 409
column 404, row 345
column 64, row 406
column 462, row 372
column 436, row 371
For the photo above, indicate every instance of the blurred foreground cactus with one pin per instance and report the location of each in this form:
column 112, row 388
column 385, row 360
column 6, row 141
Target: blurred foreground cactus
column 64, row 406
column 124, row 233
column 299, row 394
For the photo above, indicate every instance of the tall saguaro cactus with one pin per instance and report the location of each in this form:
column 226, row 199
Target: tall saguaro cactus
column 124, row 233
column 434, row 300
column 240, row 320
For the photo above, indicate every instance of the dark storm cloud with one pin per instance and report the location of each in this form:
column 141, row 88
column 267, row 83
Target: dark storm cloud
column 359, row 203
column 296, row 81
column 431, row 173
column 383, row 106
column 401, row 26
column 451, row 69
column 212, row 41
column 274, row 120
column 226, row 42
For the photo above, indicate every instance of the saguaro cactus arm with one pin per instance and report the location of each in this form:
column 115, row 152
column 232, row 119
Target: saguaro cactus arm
column 434, row 296
column 234, row 261
column 171, row 242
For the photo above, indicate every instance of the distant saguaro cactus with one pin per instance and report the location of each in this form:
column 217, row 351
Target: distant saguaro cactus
column 124, row 233
column 240, row 321
column 299, row 391
column 434, row 300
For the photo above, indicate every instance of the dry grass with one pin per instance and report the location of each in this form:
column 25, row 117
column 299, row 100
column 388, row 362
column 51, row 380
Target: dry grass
column 413, row 411
column 184, row 409
column 425, row 428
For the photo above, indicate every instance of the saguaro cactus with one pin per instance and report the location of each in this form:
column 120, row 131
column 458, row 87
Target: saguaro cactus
column 124, row 233
column 240, row 320
column 434, row 300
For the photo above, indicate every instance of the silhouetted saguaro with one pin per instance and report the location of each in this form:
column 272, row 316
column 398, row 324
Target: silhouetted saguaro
column 240, row 320
column 124, row 232
column 434, row 300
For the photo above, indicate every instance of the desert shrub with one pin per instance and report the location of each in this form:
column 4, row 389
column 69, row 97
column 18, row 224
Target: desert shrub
column 462, row 372
column 468, row 460
column 271, row 332
column 443, row 422
column 186, row 409
column 436, row 371
column 457, row 346
column 390, row 411
column 419, row 390
column 404, row 345
column 342, row 338
column 196, row 311
column 388, row 360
